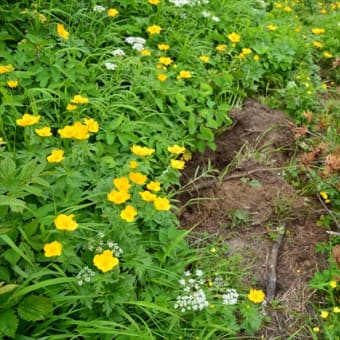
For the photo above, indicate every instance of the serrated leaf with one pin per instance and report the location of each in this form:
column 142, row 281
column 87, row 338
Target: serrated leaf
column 8, row 323
column 34, row 307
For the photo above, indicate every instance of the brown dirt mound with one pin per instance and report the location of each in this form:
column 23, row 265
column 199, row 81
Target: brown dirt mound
column 249, row 200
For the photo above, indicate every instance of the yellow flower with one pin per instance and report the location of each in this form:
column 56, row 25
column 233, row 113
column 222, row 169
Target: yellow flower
column 204, row 58
column 44, row 131
column 324, row 194
column 318, row 30
column 28, row 120
column 324, row 314
column 122, row 183
column 71, row 107
column 118, row 197
column 12, row 84
column 78, row 99
column 91, row 124
column 6, row 68
column 336, row 310
column 213, row 250
column 56, row 156
column 316, row 329
column 278, row 5
column 80, row 131
column 2, row 142
column 105, row 261
column 317, row 44
column 154, row 29
column 145, row 52
column 163, row 47
column 128, row 214
column 272, row 27
column 177, row 164
column 133, row 164
column 161, row 203
column 246, row 51
column 162, row 77
column 256, row 57
column 332, row 284
column 176, row 149
column 234, row 37
column 137, row 177
column 65, row 222
column 184, row 75
column 66, row 132
column 154, row 2
column 147, row 196
column 165, row 61
column 327, row 54
column 221, row 47
column 142, row 150
column 112, row 12
column 154, row 186
column 287, row 9
column 256, row 296
column 62, row 32
column 324, row 86
column 53, row 249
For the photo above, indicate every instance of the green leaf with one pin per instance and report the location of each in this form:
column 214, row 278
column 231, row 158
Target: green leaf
column 34, row 307
column 7, row 288
column 255, row 184
column 8, row 323
column 15, row 204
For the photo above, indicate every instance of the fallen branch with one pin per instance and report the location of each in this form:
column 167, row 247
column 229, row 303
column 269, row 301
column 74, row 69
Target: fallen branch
column 271, row 266
column 211, row 182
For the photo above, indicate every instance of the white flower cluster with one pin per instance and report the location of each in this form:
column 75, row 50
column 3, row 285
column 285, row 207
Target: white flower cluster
column 137, row 43
column 230, row 297
column 118, row 53
column 207, row 14
column 85, row 275
column 193, row 297
column 179, row 3
column 100, row 245
column 99, row 8
column 110, row 66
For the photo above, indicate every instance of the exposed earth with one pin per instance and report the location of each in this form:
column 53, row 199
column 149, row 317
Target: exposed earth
column 246, row 202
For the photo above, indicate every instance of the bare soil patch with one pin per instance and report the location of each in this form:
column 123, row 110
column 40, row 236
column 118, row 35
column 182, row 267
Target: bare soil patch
column 247, row 201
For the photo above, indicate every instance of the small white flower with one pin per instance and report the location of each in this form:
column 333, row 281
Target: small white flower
column 214, row 18
column 199, row 272
column 110, row 66
column 138, row 47
column 187, row 273
column 230, row 297
column 80, row 283
column 118, row 53
column 206, row 14
column 99, row 8
column 181, row 282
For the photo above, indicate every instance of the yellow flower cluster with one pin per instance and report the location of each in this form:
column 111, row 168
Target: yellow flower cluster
column 112, row 12
column 61, row 222
column 120, row 194
column 324, row 195
column 79, row 130
column 177, row 150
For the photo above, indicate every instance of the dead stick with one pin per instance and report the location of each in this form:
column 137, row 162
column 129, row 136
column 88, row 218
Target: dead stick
column 271, row 267
column 208, row 184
